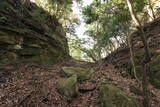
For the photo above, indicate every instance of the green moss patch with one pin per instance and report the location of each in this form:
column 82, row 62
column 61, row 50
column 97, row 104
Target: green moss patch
column 68, row 87
column 82, row 73
column 113, row 97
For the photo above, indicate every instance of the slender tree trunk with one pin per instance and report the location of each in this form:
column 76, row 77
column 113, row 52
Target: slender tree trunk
column 139, row 26
column 147, row 53
column 143, row 36
column 146, row 46
column 145, row 83
column 132, row 13
column 151, row 9
column 128, row 36
column 93, row 58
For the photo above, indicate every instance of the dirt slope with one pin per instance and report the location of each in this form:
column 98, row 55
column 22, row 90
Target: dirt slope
column 29, row 85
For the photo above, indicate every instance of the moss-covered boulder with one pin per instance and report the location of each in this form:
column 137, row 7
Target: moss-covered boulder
column 155, row 71
column 82, row 73
column 113, row 97
column 30, row 34
column 68, row 87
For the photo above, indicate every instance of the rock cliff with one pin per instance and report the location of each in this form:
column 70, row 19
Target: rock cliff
column 30, row 34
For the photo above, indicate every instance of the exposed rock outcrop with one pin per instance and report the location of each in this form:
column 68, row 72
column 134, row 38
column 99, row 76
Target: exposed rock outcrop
column 30, row 34
column 121, row 57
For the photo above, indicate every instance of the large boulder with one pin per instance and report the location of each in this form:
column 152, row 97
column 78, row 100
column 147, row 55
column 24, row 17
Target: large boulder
column 30, row 34
column 82, row 73
column 113, row 97
column 68, row 86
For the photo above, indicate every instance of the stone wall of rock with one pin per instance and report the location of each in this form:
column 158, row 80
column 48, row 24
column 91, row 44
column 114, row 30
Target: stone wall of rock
column 121, row 57
column 30, row 34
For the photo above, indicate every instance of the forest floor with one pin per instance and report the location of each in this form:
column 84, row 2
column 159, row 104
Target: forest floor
column 27, row 85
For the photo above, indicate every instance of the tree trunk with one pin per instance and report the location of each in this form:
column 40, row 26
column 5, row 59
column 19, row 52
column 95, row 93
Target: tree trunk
column 146, row 95
column 138, row 24
column 128, row 36
column 151, row 9
column 147, row 53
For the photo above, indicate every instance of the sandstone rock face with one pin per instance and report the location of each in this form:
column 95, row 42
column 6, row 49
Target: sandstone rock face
column 30, row 34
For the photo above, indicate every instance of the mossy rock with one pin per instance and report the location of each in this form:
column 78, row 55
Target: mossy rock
column 68, row 87
column 156, row 83
column 9, row 57
column 155, row 72
column 111, row 96
column 155, row 64
column 82, row 73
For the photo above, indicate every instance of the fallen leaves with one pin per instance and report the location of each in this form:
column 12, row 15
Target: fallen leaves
column 35, row 85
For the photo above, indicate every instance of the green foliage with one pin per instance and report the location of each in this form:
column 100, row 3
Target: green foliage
column 61, row 9
column 38, row 15
column 106, row 20
column 90, row 14
column 79, row 51
column 109, row 22
column 139, row 5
